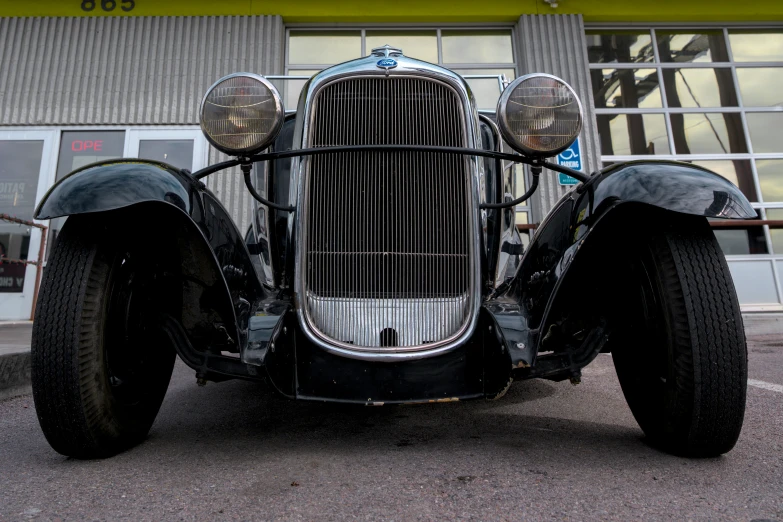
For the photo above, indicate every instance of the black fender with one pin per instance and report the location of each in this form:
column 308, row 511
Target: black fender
column 169, row 211
column 116, row 184
column 642, row 189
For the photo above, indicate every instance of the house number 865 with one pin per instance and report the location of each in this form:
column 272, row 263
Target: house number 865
column 108, row 5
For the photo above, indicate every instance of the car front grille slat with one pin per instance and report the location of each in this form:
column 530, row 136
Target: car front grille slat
column 387, row 250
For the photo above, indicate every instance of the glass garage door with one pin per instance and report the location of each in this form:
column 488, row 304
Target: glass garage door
column 709, row 96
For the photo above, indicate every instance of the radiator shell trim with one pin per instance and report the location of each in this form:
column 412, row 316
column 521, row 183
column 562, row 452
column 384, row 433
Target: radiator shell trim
column 469, row 117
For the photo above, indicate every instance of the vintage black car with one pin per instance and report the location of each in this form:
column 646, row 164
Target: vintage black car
column 384, row 265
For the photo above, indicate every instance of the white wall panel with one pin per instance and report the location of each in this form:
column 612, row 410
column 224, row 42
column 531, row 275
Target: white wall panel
column 755, row 282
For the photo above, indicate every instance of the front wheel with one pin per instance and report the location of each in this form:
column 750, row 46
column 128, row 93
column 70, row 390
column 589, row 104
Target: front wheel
column 682, row 355
column 99, row 369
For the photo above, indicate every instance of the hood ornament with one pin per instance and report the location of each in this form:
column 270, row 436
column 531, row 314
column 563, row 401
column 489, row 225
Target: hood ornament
column 387, row 62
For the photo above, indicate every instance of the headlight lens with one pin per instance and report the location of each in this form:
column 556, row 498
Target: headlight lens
column 539, row 115
column 242, row 113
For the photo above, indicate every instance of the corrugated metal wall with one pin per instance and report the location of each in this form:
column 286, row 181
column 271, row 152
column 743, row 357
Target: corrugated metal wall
column 229, row 186
column 126, row 71
column 555, row 44
column 132, row 71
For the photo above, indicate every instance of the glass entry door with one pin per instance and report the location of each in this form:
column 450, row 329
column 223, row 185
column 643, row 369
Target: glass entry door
column 26, row 161
column 184, row 149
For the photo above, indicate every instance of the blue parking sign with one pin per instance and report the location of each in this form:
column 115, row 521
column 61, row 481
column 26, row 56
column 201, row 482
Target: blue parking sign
column 572, row 158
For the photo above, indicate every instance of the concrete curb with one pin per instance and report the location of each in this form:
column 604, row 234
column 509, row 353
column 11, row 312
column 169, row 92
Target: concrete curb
column 15, row 373
column 15, row 358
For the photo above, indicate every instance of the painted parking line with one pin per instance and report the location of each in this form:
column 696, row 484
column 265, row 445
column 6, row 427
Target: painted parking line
column 765, row 385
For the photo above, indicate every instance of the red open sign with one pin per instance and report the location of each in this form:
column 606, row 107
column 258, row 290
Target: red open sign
column 85, row 145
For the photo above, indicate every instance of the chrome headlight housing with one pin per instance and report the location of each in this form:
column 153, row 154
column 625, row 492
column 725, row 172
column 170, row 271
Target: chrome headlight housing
column 242, row 113
column 539, row 115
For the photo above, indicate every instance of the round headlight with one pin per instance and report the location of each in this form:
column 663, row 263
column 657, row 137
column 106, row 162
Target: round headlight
column 539, row 115
column 242, row 113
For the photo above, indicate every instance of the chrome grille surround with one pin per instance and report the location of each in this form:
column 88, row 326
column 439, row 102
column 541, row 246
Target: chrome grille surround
column 413, row 317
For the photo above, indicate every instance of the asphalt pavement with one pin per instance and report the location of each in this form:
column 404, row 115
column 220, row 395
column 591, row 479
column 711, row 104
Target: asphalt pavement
column 546, row 451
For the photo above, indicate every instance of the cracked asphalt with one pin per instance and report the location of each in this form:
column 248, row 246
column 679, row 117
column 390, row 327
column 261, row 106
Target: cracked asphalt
column 547, row 451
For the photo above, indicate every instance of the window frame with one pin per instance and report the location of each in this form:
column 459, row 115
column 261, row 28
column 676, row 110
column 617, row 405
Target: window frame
column 290, row 71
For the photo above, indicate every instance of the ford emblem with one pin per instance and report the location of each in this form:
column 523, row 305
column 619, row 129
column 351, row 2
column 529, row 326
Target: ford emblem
column 387, row 63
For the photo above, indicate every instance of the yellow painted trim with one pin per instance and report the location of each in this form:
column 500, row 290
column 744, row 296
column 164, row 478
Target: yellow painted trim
column 416, row 11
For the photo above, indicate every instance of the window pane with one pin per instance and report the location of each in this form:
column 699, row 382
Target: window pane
column 520, row 186
column 486, row 90
column 699, row 88
column 771, row 179
column 623, row 47
column 708, row 133
column 625, row 134
column 20, row 165
column 754, row 46
column 760, row 87
column 79, row 148
column 290, row 89
column 476, row 47
column 737, row 171
column 618, row 88
column 765, row 131
column 708, row 46
column 178, row 153
column 422, row 45
column 741, row 241
column 776, row 233
column 324, row 47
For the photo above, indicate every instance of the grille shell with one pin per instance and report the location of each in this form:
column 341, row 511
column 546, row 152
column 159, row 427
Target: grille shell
column 387, row 260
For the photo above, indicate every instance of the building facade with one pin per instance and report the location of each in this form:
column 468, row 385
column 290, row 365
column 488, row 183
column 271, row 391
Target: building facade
column 84, row 81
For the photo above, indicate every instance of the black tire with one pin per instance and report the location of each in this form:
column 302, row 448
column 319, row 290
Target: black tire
column 99, row 373
column 682, row 359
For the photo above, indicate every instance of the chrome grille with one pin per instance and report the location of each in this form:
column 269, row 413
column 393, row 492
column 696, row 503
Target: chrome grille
column 387, row 234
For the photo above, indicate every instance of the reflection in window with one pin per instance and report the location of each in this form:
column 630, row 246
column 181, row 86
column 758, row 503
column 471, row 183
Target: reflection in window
column 776, row 233
column 770, row 179
column 737, row 171
column 476, row 46
column 699, row 87
column 741, row 241
column 622, row 88
column 624, row 134
column 765, row 131
column 760, row 86
column 422, row 45
column 486, row 90
column 20, row 166
column 688, row 47
column 622, row 47
column 708, row 133
column 324, row 47
column 755, row 46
